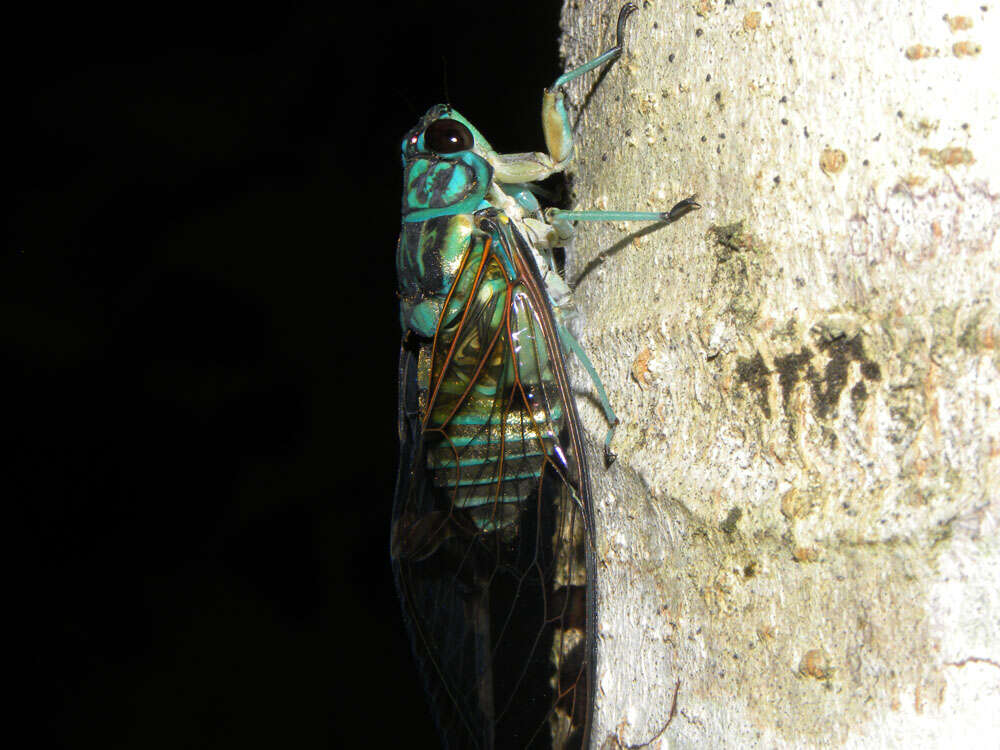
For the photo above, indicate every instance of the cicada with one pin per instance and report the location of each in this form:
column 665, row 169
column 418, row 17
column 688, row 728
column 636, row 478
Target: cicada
column 492, row 537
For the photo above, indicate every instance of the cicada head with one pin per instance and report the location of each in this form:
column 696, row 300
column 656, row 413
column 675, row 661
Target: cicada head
column 442, row 130
column 446, row 166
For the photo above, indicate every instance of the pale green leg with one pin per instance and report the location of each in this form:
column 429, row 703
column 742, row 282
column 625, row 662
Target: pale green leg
column 680, row 209
column 573, row 345
column 531, row 167
column 555, row 119
column 610, row 56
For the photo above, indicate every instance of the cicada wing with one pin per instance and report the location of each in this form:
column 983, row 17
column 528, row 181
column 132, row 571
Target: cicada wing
column 491, row 535
column 437, row 605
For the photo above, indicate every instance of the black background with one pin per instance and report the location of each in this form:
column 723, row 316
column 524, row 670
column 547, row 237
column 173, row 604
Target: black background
column 199, row 316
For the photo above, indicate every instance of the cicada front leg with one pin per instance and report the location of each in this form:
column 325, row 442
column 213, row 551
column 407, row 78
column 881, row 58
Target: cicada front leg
column 555, row 120
column 532, row 167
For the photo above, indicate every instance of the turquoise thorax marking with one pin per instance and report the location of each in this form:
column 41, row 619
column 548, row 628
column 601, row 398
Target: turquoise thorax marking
column 428, row 256
column 436, row 186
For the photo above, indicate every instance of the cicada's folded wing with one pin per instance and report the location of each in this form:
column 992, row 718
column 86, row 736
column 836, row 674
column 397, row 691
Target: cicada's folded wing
column 491, row 531
column 436, row 604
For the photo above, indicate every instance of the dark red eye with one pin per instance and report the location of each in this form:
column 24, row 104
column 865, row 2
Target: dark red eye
column 447, row 137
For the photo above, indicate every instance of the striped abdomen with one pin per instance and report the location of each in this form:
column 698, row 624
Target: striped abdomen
column 494, row 421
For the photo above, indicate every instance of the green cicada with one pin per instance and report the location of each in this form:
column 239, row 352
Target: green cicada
column 493, row 528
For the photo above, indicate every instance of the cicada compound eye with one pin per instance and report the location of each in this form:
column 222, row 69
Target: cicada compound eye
column 448, row 136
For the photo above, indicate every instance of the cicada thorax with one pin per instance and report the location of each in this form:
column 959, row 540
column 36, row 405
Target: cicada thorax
column 434, row 182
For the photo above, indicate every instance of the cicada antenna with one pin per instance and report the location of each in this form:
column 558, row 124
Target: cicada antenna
column 444, row 81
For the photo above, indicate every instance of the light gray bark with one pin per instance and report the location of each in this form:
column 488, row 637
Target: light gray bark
column 801, row 531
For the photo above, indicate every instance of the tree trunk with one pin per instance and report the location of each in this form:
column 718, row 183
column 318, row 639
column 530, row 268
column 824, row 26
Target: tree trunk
column 799, row 540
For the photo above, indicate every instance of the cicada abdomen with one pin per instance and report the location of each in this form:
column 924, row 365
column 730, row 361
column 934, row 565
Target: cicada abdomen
column 492, row 535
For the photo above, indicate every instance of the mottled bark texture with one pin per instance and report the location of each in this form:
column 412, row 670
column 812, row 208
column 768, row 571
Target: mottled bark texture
column 800, row 535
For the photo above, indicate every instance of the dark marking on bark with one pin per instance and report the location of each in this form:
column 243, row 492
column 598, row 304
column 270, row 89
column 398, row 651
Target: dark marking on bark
column 754, row 373
column 789, row 370
column 859, row 394
column 728, row 525
column 731, row 239
column 826, row 382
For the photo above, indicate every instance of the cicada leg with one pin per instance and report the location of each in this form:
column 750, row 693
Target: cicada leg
column 555, row 120
column 558, row 132
column 560, row 222
column 555, row 216
column 570, row 342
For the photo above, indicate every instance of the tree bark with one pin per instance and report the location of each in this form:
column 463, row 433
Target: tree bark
column 799, row 540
